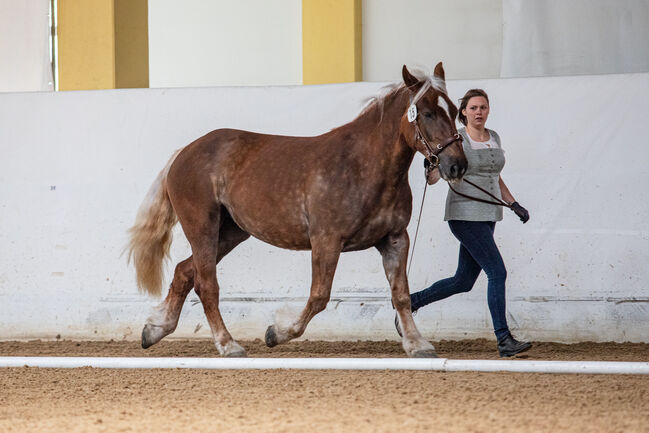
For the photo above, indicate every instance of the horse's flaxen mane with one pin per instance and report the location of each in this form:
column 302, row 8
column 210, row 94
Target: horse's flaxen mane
column 377, row 102
column 390, row 90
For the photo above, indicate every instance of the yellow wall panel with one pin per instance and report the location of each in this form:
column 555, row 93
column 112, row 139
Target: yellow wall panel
column 331, row 41
column 86, row 44
column 131, row 43
column 102, row 44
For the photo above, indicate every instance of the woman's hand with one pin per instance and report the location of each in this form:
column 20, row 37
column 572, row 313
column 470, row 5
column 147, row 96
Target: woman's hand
column 519, row 210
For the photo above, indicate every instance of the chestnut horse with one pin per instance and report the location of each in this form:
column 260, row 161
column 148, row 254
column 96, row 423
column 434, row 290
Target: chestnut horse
column 345, row 190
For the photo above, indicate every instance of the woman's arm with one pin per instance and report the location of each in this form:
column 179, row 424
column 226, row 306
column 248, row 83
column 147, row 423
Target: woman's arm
column 507, row 196
column 504, row 191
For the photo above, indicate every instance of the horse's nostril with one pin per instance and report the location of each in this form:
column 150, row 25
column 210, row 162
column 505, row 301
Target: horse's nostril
column 455, row 170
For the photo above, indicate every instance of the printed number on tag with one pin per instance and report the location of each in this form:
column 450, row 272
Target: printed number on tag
column 412, row 113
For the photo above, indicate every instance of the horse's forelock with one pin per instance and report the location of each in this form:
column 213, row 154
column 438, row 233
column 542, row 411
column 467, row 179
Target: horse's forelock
column 423, row 74
column 438, row 84
column 427, row 85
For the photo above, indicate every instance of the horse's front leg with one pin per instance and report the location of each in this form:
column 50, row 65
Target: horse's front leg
column 325, row 251
column 394, row 250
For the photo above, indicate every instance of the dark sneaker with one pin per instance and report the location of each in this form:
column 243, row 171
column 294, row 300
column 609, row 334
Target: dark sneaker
column 509, row 346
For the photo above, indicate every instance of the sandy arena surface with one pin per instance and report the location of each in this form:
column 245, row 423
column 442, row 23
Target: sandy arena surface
column 98, row 400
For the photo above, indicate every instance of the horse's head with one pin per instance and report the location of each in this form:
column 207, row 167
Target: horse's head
column 429, row 123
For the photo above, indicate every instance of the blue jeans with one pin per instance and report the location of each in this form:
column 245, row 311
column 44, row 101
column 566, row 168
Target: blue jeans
column 478, row 251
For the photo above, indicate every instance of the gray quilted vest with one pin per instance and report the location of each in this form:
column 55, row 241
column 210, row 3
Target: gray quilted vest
column 484, row 167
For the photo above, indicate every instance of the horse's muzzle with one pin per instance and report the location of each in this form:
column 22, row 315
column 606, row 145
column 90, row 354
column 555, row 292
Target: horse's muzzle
column 456, row 171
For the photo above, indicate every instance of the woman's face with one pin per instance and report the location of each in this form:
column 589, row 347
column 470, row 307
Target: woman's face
column 476, row 112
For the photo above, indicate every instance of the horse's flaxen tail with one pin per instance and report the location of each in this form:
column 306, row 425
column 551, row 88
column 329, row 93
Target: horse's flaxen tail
column 150, row 236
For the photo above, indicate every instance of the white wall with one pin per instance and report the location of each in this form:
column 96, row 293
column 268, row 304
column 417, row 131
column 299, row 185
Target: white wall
column 466, row 35
column 75, row 166
column 24, row 46
column 557, row 37
column 225, row 43
column 506, row 38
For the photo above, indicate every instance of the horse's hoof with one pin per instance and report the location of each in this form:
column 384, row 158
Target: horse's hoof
column 425, row 354
column 271, row 337
column 238, row 353
column 231, row 349
column 151, row 335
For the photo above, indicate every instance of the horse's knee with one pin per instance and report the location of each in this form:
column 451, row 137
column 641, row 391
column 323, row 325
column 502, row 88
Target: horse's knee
column 401, row 300
column 318, row 302
column 204, row 291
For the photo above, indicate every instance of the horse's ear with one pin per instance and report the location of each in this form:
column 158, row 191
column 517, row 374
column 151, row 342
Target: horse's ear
column 408, row 78
column 439, row 71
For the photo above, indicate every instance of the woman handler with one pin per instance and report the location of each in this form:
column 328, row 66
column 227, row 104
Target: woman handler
column 473, row 222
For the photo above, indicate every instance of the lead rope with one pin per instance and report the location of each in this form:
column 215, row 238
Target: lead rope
column 414, row 241
column 498, row 201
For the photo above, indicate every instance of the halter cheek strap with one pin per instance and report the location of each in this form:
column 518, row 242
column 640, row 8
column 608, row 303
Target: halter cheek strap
column 419, row 136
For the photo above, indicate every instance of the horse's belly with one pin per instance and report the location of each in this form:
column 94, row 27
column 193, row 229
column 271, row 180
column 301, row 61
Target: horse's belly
column 364, row 239
column 283, row 230
column 290, row 242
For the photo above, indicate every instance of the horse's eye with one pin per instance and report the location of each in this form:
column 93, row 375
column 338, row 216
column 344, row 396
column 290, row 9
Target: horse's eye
column 427, row 114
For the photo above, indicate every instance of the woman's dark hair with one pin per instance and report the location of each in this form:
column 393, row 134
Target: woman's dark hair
column 465, row 100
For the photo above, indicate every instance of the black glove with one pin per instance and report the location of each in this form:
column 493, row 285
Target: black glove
column 519, row 210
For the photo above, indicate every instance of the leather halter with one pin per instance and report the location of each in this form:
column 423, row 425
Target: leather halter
column 439, row 147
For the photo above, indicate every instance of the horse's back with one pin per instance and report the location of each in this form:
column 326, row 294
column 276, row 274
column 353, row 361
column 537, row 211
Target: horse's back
column 284, row 190
column 259, row 178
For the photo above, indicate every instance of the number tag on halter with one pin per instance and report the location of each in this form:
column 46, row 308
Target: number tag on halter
column 412, row 113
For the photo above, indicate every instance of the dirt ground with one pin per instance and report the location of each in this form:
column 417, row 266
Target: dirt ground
column 98, row 400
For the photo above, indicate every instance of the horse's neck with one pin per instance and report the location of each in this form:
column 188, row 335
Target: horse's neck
column 384, row 140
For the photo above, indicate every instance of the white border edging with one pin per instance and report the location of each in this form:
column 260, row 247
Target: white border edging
column 435, row 364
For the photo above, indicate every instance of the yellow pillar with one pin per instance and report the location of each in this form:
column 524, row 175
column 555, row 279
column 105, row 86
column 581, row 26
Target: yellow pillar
column 131, row 43
column 331, row 41
column 102, row 44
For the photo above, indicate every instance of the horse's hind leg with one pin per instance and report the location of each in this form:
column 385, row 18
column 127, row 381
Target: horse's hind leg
column 394, row 251
column 203, row 233
column 324, row 259
column 164, row 319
